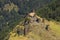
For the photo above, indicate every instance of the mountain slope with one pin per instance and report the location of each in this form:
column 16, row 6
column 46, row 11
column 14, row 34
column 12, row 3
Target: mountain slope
column 10, row 11
column 39, row 32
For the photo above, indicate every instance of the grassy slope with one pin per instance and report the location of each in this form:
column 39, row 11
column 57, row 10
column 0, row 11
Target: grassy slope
column 54, row 26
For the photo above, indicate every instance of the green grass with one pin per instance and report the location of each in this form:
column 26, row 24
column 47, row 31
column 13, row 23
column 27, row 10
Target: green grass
column 55, row 27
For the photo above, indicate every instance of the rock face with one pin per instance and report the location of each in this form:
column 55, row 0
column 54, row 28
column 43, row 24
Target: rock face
column 28, row 21
column 32, row 14
column 32, row 20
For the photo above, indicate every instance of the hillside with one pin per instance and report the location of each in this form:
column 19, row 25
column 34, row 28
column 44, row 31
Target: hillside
column 50, row 11
column 13, row 14
column 25, row 5
column 38, row 31
column 10, row 13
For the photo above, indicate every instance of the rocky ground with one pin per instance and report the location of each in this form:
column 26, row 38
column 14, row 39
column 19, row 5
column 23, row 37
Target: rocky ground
column 37, row 30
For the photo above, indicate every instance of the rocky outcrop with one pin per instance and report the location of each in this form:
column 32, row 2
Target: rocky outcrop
column 33, row 28
column 32, row 21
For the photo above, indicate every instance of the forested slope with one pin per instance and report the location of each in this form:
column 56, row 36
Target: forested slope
column 51, row 11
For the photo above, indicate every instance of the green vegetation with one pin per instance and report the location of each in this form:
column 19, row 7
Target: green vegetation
column 8, row 20
column 11, row 10
column 25, row 5
column 51, row 11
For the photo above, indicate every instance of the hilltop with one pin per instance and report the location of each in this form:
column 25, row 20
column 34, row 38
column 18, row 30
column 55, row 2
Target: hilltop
column 37, row 31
